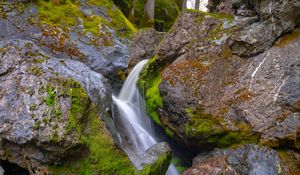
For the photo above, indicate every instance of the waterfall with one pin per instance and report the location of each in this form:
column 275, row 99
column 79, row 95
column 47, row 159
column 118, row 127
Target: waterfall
column 134, row 119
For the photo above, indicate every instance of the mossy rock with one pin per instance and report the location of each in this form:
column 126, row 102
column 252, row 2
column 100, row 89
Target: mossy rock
column 159, row 167
column 148, row 84
column 104, row 156
column 211, row 131
column 65, row 14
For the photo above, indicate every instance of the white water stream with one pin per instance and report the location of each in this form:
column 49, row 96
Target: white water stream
column 135, row 120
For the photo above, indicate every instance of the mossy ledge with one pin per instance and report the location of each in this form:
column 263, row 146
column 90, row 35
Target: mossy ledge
column 210, row 131
column 148, row 83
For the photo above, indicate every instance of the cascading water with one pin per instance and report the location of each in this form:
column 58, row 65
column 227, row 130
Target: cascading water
column 134, row 118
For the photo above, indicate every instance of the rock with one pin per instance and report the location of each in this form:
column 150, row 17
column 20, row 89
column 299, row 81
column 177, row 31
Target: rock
column 248, row 159
column 290, row 159
column 46, row 116
column 93, row 33
column 156, row 159
column 207, row 96
column 275, row 19
column 234, row 7
column 143, row 46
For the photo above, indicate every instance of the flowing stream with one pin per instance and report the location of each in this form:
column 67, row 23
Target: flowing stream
column 134, row 119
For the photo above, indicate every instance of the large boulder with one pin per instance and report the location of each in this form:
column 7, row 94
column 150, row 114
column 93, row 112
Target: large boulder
column 93, row 32
column 244, row 160
column 47, row 117
column 205, row 95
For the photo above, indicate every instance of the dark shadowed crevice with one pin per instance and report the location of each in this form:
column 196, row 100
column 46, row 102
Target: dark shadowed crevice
column 12, row 169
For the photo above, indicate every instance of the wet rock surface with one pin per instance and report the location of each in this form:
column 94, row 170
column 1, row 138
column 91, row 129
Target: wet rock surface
column 247, row 159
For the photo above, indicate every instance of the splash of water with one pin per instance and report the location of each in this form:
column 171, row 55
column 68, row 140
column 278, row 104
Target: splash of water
column 131, row 107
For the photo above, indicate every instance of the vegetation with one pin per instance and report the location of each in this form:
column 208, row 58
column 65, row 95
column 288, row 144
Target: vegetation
column 104, row 156
column 149, row 82
column 165, row 12
column 211, row 130
column 66, row 13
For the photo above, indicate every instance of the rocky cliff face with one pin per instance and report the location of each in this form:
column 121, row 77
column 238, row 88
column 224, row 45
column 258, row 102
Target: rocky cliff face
column 227, row 80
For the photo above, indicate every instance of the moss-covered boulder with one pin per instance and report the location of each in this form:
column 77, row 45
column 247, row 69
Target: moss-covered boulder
column 56, row 117
column 206, row 96
column 94, row 32
column 165, row 13
column 48, row 122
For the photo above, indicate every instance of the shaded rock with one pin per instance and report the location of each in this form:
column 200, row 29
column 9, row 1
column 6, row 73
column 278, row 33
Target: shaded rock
column 290, row 159
column 143, row 46
column 276, row 18
column 247, row 159
column 234, row 7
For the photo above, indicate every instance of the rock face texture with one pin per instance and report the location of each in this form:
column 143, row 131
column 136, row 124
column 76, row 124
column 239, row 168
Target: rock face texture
column 248, row 159
column 143, row 46
column 90, row 31
column 225, row 80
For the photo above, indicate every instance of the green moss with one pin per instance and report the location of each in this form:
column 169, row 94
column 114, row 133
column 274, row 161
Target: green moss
column 104, row 157
column 169, row 132
column 65, row 15
column 177, row 163
column 149, row 82
column 50, row 96
column 210, row 130
column 159, row 167
column 35, row 70
column 118, row 21
column 37, row 124
column 61, row 14
column 166, row 12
